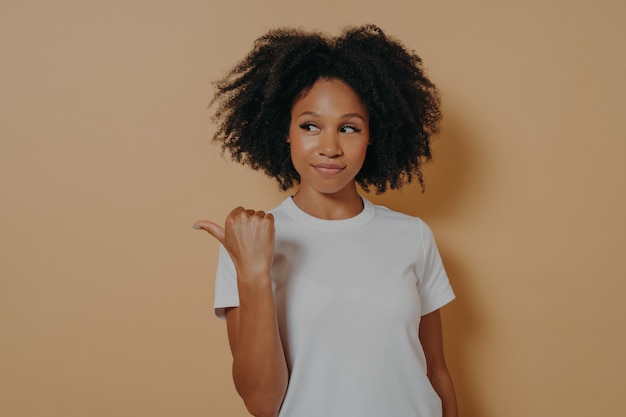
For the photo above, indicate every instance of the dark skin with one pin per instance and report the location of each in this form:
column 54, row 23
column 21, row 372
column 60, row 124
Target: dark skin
column 328, row 137
column 431, row 337
column 259, row 367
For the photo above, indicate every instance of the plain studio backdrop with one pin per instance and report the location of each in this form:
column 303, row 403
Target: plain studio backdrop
column 106, row 162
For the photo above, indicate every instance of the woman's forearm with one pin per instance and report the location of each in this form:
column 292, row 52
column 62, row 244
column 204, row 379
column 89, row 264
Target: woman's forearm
column 259, row 366
column 442, row 383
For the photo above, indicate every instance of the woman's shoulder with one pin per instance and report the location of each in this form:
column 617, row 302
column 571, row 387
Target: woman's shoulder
column 385, row 213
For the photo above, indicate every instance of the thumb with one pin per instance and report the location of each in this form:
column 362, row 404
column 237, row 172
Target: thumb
column 216, row 231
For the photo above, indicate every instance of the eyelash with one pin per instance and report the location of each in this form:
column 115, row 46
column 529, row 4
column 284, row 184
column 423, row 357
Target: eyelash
column 308, row 126
column 354, row 128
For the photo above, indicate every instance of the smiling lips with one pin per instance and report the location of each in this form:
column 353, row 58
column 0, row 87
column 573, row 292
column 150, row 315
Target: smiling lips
column 328, row 169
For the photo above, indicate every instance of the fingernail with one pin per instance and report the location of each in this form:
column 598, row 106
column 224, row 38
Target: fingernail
column 195, row 226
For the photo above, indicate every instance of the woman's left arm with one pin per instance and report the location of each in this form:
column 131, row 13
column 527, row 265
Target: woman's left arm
column 432, row 342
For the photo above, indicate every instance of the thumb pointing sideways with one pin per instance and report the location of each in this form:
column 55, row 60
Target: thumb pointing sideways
column 214, row 230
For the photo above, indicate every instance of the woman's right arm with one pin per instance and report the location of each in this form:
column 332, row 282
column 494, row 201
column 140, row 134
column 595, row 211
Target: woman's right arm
column 259, row 366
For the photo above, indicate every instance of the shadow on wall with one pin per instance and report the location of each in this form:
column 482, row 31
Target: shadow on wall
column 451, row 179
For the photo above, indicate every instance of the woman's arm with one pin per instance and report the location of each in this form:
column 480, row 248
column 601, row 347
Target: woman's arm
column 259, row 366
column 432, row 342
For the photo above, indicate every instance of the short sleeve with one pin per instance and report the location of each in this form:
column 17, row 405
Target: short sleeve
column 226, row 293
column 433, row 284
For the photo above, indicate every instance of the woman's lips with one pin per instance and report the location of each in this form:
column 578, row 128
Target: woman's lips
column 328, row 169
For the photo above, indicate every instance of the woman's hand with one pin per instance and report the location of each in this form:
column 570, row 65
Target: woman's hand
column 248, row 236
column 259, row 367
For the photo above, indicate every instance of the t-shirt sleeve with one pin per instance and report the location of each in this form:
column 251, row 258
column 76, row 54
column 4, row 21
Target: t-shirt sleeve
column 433, row 284
column 226, row 293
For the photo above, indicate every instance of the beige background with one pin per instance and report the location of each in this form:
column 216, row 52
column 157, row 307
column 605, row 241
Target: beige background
column 105, row 163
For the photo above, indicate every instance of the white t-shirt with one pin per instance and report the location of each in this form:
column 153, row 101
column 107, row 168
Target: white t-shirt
column 349, row 295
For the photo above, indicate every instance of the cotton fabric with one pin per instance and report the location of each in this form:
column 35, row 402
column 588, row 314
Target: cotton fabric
column 349, row 295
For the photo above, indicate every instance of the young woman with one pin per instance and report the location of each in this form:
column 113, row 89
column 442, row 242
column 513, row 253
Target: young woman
column 332, row 303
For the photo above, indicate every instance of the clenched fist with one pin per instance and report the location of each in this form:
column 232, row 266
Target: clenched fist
column 248, row 236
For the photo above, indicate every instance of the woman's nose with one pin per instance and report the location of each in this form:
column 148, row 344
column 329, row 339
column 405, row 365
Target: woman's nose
column 329, row 145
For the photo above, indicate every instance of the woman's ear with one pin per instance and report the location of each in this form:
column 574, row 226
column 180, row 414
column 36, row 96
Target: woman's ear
column 287, row 139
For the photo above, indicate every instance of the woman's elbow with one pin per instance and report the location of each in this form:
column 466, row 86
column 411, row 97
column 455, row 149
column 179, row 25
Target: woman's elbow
column 264, row 402
column 263, row 409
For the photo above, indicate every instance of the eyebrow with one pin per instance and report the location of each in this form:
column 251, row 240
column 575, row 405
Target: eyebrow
column 343, row 116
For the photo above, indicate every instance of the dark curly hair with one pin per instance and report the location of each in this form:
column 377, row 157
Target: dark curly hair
column 255, row 98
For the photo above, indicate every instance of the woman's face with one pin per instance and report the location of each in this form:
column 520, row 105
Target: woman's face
column 328, row 136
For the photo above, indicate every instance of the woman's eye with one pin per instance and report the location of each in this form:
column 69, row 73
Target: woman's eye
column 309, row 127
column 349, row 129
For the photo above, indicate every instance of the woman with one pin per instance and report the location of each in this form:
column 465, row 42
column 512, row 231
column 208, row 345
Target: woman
column 331, row 302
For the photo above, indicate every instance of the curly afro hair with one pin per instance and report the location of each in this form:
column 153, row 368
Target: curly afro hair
column 254, row 101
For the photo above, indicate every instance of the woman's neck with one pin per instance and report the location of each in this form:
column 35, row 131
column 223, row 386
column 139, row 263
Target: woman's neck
column 337, row 206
